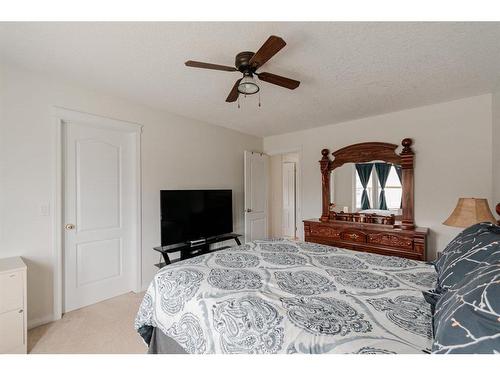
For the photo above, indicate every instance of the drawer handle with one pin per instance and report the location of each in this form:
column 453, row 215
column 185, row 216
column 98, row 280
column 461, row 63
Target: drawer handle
column 20, row 311
column 13, row 275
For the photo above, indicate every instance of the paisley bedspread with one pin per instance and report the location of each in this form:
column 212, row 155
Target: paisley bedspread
column 283, row 296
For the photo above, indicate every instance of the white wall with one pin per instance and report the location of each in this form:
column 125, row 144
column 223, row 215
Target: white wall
column 496, row 148
column 453, row 147
column 177, row 153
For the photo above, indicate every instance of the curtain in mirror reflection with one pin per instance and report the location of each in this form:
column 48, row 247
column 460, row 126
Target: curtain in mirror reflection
column 379, row 187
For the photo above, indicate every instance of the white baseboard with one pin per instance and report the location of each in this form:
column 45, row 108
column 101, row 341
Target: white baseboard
column 33, row 323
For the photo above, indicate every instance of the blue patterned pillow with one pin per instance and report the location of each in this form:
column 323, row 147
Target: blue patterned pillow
column 465, row 252
column 467, row 318
column 459, row 241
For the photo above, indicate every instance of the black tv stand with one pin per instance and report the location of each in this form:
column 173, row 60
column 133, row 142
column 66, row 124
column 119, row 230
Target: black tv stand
column 189, row 250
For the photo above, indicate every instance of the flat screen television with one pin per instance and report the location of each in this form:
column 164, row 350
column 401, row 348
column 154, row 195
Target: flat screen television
column 189, row 215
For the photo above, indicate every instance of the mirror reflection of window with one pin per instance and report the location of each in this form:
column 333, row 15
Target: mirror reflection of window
column 370, row 189
column 393, row 190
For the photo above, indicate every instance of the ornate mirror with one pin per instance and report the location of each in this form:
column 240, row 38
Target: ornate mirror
column 369, row 182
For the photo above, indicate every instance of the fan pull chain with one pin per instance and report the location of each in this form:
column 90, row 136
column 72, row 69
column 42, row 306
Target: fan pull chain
column 238, row 101
column 259, row 98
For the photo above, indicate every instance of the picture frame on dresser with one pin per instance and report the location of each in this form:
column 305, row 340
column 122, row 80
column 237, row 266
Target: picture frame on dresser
column 380, row 233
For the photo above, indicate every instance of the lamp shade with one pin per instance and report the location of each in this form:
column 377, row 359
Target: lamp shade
column 470, row 211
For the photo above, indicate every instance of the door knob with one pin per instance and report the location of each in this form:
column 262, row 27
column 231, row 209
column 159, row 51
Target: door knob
column 248, row 210
column 69, row 226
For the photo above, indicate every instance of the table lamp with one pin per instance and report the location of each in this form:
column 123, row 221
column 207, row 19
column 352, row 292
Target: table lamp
column 470, row 211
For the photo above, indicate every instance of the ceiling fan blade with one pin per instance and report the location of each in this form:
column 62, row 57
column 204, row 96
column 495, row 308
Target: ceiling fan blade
column 279, row 80
column 270, row 48
column 233, row 94
column 198, row 64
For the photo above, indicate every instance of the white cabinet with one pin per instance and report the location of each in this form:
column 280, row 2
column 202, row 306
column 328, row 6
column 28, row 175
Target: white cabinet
column 13, row 330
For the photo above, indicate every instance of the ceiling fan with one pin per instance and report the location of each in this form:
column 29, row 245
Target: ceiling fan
column 247, row 63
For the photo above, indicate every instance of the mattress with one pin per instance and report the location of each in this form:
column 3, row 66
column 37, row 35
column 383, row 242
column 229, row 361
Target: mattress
column 284, row 296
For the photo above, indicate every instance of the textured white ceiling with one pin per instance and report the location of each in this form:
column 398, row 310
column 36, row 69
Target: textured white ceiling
column 347, row 70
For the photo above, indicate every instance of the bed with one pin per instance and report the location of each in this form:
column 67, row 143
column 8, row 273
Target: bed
column 282, row 296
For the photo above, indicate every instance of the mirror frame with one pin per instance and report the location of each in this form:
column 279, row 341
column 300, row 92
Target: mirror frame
column 366, row 152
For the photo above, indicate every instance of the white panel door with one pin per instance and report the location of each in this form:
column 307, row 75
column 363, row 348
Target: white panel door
column 289, row 200
column 256, row 190
column 98, row 214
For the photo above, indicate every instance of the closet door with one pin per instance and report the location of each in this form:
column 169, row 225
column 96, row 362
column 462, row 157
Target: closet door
column 256, row 196
column 289, row 200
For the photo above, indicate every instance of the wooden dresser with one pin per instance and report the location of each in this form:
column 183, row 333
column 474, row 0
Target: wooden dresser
column 382, row 232
column 372, row 238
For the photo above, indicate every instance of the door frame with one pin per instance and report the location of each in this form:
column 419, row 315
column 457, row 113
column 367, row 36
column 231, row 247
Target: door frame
column 298, row 184
column 62, row 116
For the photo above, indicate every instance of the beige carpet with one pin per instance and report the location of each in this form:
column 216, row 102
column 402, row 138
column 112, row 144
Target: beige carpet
column 106, row 327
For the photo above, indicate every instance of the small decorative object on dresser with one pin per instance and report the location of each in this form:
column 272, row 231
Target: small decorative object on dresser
column 381, row 231
column 13, row 332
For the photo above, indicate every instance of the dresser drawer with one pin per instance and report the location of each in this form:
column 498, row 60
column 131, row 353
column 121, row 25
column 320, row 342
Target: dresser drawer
column 391, row 240
column 324, row 231
column 11, row 291
column 353, row 236
column 11, row 331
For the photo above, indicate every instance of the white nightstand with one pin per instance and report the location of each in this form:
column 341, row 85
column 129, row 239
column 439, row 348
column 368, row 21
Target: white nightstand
column 13, row 326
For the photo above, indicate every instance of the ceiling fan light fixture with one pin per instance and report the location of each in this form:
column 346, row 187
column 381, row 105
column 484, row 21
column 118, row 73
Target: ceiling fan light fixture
column 248, row 86
column 248, row 63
